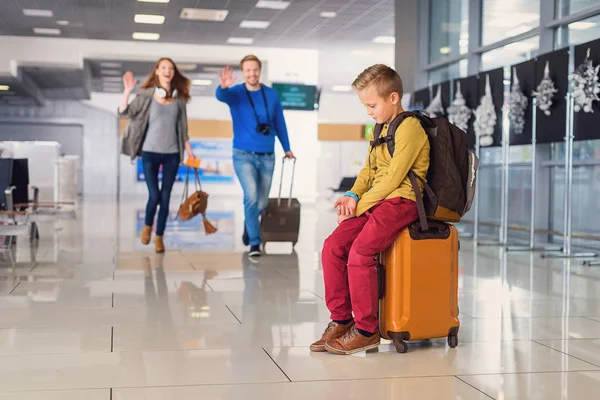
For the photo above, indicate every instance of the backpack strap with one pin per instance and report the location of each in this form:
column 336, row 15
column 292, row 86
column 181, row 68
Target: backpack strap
column 420, row 203
column 390, row 138
column 376, row 139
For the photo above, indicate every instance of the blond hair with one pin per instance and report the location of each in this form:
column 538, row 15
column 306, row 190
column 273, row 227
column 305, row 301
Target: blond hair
column 385, row 80
column 250, row 57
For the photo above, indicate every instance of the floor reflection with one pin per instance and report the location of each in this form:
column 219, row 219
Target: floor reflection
column 88, row 307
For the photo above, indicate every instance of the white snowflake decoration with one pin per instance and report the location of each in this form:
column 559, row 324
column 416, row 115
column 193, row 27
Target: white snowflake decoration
column 436, row 108
column 517, row 103
column 545, row 91
column 485, row 117
column 586, row 87
column 458, row 113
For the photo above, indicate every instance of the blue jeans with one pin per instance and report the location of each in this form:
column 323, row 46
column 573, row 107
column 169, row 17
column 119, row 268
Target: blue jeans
column 255, row 172
column 151, row 163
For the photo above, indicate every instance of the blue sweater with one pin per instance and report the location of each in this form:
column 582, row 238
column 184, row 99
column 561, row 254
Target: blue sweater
column 245, row 136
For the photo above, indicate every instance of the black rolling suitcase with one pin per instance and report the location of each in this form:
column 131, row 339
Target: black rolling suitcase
column 281, row 219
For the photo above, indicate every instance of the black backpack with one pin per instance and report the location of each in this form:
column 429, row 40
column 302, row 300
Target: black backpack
column 450, row 185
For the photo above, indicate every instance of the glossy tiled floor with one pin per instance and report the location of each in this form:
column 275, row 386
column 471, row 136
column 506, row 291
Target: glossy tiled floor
column 91, row 314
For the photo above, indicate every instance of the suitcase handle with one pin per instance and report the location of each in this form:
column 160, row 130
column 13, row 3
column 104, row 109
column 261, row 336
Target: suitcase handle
column 281, row 181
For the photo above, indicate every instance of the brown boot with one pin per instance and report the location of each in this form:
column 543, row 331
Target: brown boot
column 333, row 331
column 353, row 342
column 146, row 234
column 159, row 244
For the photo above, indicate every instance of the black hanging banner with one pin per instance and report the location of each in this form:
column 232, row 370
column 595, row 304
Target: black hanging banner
column 445, row 95
column 469, row 90
column 497, row 85
column 421, row 99
column 520, row 124
column 551, row 128
column 443, row 89
column 586, row 125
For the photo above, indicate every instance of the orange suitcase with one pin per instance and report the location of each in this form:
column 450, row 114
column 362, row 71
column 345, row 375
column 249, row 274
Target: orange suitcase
column 418, row 286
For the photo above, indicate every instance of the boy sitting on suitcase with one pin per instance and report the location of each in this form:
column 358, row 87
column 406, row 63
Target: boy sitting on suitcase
column 370, row 217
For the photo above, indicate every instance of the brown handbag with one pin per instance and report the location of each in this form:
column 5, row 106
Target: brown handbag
column 195, row 204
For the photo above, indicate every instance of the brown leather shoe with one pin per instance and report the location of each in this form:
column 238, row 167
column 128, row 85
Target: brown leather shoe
column 146, row 234
column 353, row 342
column 159, row 244
column 333, row 331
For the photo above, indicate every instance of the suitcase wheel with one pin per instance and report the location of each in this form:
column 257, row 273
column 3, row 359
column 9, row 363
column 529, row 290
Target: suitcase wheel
column 453, row 341
column 400, row 345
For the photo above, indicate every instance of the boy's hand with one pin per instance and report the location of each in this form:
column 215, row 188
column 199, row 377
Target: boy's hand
column 346, row 206
column 342, row 218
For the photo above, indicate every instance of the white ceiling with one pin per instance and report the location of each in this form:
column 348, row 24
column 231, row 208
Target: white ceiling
column 345, row 42
column 299, row 25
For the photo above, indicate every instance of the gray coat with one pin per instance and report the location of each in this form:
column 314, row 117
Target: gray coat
column 138, row 112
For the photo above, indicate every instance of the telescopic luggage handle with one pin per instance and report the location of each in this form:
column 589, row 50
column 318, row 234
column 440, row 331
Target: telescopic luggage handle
column 291, row 183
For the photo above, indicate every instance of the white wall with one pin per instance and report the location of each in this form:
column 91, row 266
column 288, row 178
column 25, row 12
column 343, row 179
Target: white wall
column 301, row 66
column 99, row 139
column 342, row 108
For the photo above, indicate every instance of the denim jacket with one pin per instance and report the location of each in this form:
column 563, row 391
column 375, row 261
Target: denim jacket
column 138, row 112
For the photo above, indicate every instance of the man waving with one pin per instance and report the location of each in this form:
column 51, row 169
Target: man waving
column 257, row 117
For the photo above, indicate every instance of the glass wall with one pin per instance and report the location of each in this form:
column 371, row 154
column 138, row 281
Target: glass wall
column 578, row 32
column 501, row 22
column 507, row 18
column 568, row 7
column 450, row 71
column 510, row 54
column 448, row 29
column 586, row 188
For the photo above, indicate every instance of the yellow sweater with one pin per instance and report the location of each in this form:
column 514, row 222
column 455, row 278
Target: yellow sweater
column 384, row 177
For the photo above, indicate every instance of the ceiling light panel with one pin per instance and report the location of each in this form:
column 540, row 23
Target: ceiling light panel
column 203, row 14
column 212, row 69
column 273, row 4
column 111, row 65
column 149, row 19
column 385, row 40
column 328, row 14
column 255, row 24
column 240, row 40
column 46, row 31
column 32, row 12
column 202, row 82
column 146, row 36
column 187, row 67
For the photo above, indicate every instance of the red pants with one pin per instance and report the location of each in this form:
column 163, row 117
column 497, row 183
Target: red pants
column 349, row 260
